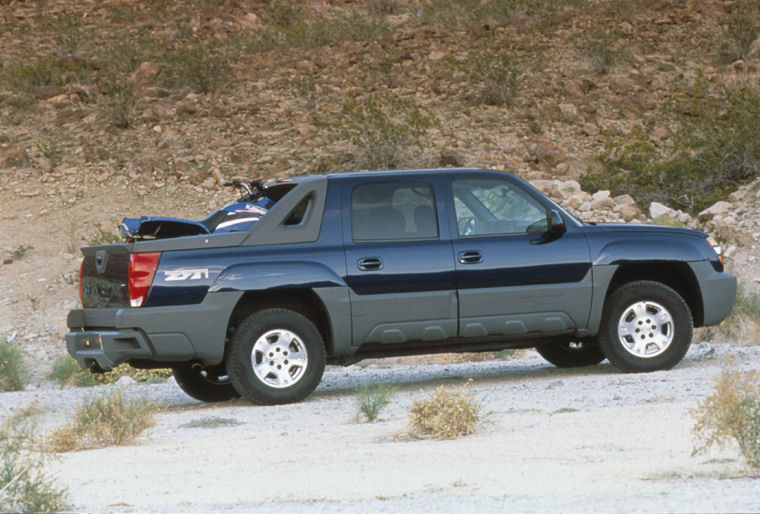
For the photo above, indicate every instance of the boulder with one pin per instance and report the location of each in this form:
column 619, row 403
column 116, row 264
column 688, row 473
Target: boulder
column 657, row 209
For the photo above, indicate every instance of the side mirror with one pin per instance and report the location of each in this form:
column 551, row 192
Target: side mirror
column 556, row 223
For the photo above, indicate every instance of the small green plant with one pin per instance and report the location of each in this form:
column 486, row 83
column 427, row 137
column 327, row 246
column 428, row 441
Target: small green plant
column 25, row 75
column 668, row 221
column 199, row 67
column 24, row 487
column 20, row 251
column 715, row 149
column 121, row 101
column 51, row 150
column 445, row 414
column 383, row 128
column 384, row 7
column 105, row 420
column 67, row 371
column 740, row 30
column 731, row 412
column 64, row 369
column 120, row 57
column 212, row 422
column 14, row 372
column 371, row 400
column 68, row 32
column 103, row 237
column 599, row 47
column 494, row 75
column 505, row 354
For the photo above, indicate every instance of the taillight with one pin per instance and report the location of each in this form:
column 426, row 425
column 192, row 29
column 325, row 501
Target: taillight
column 81, row 266
column 142, row 268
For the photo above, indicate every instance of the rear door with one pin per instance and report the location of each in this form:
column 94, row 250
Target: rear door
column 512, row 278
column 400, row 269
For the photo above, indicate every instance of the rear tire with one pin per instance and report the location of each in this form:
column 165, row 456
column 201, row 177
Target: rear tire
column 276, row 356
column 572, row 354
column 211, row 384
column 646, row 326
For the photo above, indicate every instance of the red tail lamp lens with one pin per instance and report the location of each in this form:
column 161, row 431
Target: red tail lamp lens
column 142, row 268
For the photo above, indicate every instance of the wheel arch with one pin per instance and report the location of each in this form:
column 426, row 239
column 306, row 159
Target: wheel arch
column 676, row 275
column 301, row 300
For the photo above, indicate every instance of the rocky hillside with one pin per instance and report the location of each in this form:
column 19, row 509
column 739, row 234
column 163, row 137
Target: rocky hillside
column 122, row 107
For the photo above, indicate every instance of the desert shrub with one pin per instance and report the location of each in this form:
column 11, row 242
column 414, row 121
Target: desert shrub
column 383, row 128
column 20, row 251
column 64, row 369
column 371, row 400
column 140, row 375
column 494, row 75
column 105, row 420
column 14, row 372
column 715, row 149
column 26, row 74
column 743, row 324
column 67, row 371
column 199, row 67
column 289, row 24
column 68, row 32
column 599, row 48
column 445, row 414
column 458, row 14
column 51, row 150
column 381, row 7
column 121, row 99
column 103, row 236
column 740, row 29
column 119, row 57
column 732, row 412
column 24, row 487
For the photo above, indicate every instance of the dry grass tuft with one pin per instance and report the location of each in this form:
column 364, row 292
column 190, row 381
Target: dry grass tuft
column 732, row 412
column 105, row 420
column 445, row 414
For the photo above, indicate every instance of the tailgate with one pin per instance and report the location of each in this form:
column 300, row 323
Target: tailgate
column 105, row 271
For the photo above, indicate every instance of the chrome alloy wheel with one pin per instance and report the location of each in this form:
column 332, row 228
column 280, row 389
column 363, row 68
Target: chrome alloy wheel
column 645, row 329
column 279, row 358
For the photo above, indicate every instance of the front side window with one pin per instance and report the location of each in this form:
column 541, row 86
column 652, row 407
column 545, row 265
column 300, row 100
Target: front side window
column 496, row 207
column 391, row 211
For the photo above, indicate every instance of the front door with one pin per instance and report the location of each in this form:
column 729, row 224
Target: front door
column 400, row 270
column 513, row 277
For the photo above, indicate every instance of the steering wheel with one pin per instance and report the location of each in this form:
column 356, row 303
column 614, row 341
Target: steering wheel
column 466, row 225
column 537, row 227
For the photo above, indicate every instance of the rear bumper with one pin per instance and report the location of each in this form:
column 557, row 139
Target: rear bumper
column 718, row 292
column 109, row 337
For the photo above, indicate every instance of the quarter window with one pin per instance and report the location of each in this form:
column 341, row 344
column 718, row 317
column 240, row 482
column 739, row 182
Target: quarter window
column 393, row 211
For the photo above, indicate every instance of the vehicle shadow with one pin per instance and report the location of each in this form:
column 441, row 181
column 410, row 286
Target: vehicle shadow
column 338, row 381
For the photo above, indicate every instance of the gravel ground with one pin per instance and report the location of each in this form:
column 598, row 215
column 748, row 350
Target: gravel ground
column 585, row 440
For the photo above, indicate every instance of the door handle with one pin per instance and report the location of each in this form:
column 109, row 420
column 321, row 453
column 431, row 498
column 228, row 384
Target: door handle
column 470, row 257
column 370, row 263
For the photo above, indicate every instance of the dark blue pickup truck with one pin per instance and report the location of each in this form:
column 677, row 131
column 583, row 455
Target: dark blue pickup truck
column 347, row 266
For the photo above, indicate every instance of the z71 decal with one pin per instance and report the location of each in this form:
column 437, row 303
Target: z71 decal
column 185, row 274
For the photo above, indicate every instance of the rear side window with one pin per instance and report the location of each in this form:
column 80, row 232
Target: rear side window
column 393, row 211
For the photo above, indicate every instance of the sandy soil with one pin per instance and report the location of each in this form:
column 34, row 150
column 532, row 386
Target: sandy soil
column 572, row 440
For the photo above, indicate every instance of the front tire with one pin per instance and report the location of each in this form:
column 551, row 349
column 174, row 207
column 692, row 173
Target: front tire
column 646, row 326
column 210, row 384
column 276, row 356
column 572, row 354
